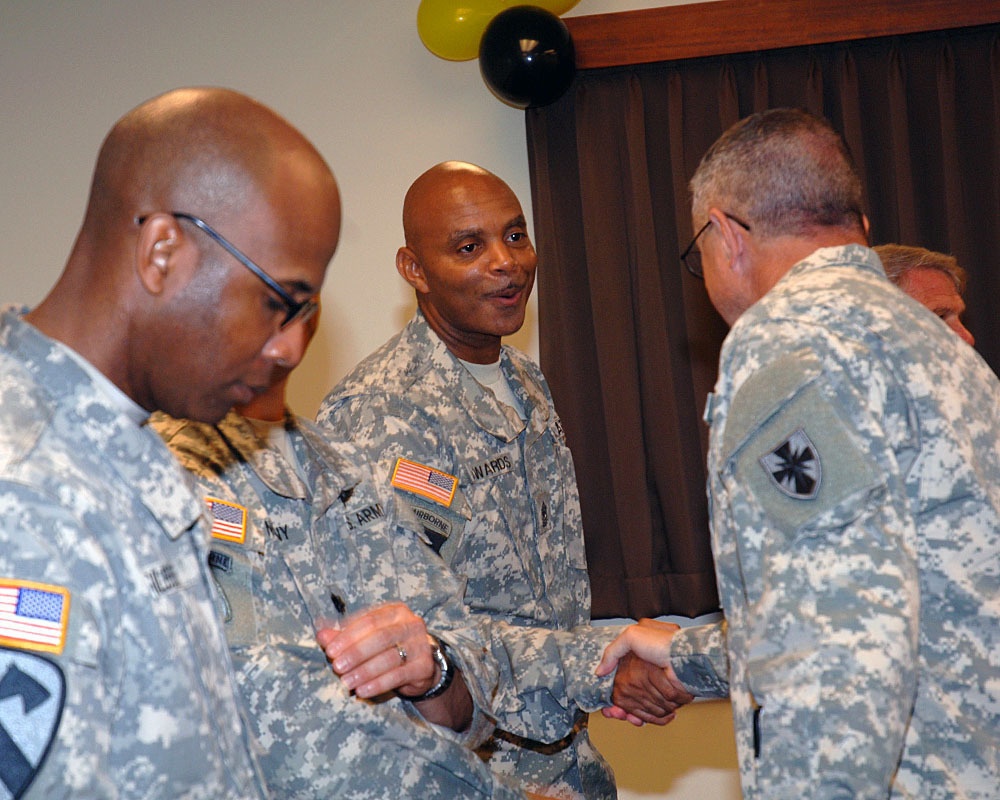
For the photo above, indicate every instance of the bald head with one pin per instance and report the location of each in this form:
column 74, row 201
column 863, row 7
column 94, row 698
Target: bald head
column 468, row 257
column 439, row 190
column 172, row 296
column 200, row 148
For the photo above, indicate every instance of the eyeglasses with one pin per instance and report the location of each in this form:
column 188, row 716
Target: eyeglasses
column 294, row 310
column 692, row 257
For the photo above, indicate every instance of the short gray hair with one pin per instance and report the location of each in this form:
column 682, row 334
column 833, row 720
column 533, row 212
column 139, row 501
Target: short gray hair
column 899, row 259
column 784, row 171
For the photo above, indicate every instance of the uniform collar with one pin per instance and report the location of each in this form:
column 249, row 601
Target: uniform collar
column 267, row 461
column 481, row 405
column 74, row 398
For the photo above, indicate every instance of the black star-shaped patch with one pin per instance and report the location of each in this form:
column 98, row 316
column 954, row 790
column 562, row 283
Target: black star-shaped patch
column 794, row 467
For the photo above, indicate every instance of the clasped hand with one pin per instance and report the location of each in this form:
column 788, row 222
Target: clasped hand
column 382, row 649
column 646, row 689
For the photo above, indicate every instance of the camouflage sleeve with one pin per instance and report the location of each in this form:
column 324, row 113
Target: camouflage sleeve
column 56, row 740
column 321, row 741
column 385, row 429
column 826, row 550
column 424, row 583
column 700, row 660
column 547, row 677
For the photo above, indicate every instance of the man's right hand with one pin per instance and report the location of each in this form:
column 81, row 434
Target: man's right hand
column 646, row 689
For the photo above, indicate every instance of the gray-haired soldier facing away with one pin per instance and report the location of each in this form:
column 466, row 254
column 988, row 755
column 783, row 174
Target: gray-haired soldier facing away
column 854, row 484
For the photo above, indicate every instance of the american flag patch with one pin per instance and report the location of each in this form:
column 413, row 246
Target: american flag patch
column 33, row 616
column 426, row 481
column 229, row 520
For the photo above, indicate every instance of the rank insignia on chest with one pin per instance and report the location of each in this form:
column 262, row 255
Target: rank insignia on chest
column 229, row 520
column 423, row 480
column 33, row 616
column 794, row 467
column 163, row 578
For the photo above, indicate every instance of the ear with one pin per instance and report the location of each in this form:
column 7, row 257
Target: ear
column 866, row 224
column 732, row 237
column 408, row 265
column 160, row 238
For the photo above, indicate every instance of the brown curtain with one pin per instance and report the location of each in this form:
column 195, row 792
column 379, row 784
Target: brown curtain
column 629, row 342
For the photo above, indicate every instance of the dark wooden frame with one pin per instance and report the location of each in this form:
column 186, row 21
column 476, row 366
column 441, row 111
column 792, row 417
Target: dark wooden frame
column 738, row 26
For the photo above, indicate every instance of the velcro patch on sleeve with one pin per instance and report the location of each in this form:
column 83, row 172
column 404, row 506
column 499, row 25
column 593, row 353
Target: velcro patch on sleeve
column 33, row 616
column 423, row 480
column 801, row 456
column 34, row 693
column 229, row 520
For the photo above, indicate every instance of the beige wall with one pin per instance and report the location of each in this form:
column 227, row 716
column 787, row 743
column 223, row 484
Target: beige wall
column 355, row 77
column 693, row 757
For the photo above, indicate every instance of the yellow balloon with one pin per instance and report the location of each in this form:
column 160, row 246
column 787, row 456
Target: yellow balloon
column 452, row 29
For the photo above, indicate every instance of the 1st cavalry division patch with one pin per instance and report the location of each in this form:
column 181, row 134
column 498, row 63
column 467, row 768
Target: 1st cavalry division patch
column 32, row 694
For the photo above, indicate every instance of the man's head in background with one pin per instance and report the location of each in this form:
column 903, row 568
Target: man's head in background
column 933, row 279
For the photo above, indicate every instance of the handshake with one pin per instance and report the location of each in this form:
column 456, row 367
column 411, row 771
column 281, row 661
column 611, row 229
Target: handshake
column 646, row 689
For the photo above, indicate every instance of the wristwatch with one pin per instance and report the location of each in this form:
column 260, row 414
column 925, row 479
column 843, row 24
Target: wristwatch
column 447, row 674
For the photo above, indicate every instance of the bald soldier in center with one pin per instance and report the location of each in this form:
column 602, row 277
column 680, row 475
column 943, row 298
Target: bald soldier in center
column 464, row 431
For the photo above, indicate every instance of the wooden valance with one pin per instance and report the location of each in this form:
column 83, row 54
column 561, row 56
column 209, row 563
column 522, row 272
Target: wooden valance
column 738, row 26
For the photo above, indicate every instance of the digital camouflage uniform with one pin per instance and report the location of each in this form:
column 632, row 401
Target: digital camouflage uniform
column 313, row 550
column 854, row 467
column 511, row 532
column 111, row 653
column 700, row 661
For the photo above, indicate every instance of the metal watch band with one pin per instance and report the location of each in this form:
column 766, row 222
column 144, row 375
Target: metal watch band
column 447, row 674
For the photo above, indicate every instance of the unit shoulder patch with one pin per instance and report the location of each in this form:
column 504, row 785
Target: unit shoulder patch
column 794, row 467
column 801, row 458
column 32, row 696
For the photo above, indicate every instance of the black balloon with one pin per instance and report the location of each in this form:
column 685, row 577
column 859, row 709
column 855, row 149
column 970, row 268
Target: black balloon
column 526, row 56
